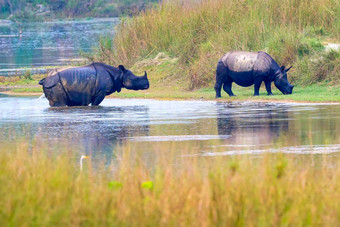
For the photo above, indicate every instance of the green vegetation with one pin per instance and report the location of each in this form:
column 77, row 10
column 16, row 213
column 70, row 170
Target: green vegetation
column 27, row 75
column 28, row 90
column 48, row 9
column 25, row 79
column 27, row 84
column 162, row 88
column 312, row 93
column 198, row 33
column 43, row 189
column 324, row 67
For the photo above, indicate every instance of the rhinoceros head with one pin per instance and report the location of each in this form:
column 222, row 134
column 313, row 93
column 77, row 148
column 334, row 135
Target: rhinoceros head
column 281, row 81
column 133, row 82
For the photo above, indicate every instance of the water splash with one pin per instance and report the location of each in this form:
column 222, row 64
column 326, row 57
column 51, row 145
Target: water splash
column 41, row 97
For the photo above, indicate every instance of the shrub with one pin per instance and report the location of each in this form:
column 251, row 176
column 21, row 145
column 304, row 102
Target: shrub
column 27, row 75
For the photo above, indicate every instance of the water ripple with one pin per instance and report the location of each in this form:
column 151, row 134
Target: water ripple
column 305, row 149
column 178, row 138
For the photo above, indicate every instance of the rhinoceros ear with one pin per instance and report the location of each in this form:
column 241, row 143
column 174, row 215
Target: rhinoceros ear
column 288, row 69
column 121, row 68
column 282, row 68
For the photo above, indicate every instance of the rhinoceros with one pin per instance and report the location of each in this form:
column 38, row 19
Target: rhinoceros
column 248, row 68
column 84, row 85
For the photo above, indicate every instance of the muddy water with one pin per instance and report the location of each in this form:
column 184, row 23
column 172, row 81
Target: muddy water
column 208, row 128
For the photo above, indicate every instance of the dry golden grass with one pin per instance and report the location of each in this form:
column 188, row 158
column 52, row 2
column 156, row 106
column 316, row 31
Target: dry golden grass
column 39, row 188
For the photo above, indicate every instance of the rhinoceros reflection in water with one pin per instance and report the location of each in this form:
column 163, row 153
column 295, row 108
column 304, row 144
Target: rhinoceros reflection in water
column 248, row 68
column 254, row 124
column 81, row 86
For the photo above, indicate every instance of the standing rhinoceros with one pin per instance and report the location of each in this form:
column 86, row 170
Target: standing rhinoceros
column 248, row 68
column 80, row 86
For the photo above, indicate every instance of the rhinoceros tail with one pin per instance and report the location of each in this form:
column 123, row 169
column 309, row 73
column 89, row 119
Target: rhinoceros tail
column 41, row 82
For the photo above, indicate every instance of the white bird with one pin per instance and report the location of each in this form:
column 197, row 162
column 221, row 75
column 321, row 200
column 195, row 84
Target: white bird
column 81, row 161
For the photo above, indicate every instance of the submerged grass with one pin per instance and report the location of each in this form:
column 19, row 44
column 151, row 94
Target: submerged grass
column 41, row 189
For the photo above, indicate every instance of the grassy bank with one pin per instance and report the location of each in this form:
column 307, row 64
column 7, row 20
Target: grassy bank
column 42, row 189
column 198, row 33
column 317, row 93
column 163, row 87
column 26, row 84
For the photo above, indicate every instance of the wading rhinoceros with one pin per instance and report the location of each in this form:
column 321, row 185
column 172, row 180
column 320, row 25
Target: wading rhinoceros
column 80, row 86
column 248, row 68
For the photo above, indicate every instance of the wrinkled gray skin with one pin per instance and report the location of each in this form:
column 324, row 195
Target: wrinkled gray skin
column 81, row 86
column 248, row 68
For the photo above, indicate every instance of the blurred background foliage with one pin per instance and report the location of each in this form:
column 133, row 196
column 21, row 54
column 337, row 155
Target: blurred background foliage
column 46, row 9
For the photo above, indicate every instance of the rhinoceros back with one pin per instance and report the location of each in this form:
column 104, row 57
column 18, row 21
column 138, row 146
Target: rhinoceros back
column 240, row 61
column 79, row 84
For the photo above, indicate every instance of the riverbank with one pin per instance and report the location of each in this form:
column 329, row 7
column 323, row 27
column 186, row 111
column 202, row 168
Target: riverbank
column 167, row 89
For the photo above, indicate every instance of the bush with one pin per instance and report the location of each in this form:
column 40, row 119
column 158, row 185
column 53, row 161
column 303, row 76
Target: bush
column 27, row 75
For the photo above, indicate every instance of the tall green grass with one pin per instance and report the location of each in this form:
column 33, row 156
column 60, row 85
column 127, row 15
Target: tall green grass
column 200, row 32
column 324, row 67
column 38, row 188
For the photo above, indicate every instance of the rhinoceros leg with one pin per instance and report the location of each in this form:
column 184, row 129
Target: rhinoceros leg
column 227, row 87
column 268, row 87
column 98, row 99
column 257, row 85
column 56, row 104
column 218, row 87
column 221, row 77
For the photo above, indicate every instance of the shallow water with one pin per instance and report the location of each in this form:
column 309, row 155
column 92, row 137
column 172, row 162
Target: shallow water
column 208, row 128
column 50, row 43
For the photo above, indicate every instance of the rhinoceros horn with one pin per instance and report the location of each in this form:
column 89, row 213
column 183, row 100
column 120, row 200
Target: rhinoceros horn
column 288, row 69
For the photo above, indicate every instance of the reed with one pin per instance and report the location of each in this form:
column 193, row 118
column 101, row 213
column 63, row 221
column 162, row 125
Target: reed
column 40, row 188
column 200, row 32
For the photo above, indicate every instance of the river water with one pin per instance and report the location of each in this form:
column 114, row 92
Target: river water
column 205, row 128
column 208, row 128
column 50, row 43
